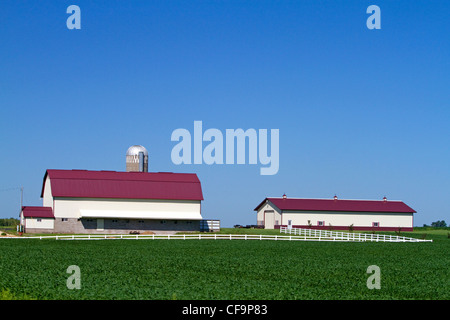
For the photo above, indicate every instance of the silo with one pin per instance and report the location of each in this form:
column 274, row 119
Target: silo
column 137, row 159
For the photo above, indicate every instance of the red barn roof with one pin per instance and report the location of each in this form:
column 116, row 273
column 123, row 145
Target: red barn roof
column 38, row 212
column 295, row 204
column 123, row 185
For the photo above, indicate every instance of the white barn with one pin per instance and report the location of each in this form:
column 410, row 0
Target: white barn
column 82, row 201
column 377, row 215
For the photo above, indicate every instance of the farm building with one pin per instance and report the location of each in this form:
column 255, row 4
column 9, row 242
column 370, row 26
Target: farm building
column 337, row 214
column 82, row 201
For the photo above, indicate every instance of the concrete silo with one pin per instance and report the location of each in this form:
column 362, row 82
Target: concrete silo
column 137, row 159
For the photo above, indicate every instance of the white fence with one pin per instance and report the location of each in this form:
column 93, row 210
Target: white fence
column 199, row 236
column 326, row 235
column 296, row 234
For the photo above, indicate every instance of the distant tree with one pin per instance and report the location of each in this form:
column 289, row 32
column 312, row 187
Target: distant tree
column 439, row 224
column 9, row 222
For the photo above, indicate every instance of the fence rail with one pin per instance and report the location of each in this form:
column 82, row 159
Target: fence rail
column 200, row 236
column 295, row 234
column 346, row 236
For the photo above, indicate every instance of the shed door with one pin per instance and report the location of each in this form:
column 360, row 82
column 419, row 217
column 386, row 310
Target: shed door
column 100, row 224
column 269, row 219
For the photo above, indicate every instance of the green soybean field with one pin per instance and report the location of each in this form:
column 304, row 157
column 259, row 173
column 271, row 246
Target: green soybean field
column 222, row 269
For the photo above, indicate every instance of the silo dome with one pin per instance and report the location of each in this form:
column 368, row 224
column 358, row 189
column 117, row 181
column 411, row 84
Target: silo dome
column 134, row 150
column 137, row 159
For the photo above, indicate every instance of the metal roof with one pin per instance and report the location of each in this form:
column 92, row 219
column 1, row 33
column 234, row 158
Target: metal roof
column 37, row 212
column 123, row 185
column 296, row 204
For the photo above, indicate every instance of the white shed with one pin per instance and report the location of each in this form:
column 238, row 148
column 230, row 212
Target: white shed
column 337, row 214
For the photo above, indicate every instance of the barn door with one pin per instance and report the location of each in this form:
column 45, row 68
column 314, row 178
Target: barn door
column 269, row 219
column 100, row 224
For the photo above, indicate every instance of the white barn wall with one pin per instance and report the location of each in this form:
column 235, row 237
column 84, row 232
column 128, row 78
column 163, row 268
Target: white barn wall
column 44, row 223
column 73, row 207
column 47, row 197
column 360, row 219
column 268, row 206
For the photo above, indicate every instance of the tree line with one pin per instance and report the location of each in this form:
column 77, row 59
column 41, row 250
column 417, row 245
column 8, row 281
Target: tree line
column 9, row 222
column 437, row 224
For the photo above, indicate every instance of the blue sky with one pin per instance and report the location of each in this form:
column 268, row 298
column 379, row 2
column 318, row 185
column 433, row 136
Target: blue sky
column 362, row 113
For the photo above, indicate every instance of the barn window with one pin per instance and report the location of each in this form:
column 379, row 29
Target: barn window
column 39, row 220
column 320, row 223
column 375, row 224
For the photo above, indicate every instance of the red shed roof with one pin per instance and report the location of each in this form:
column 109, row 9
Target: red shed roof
column 123, row 185
column 295, row 204
column 38, row 212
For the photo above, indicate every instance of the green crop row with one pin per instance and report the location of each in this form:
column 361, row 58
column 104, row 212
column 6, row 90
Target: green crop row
column 223, row 269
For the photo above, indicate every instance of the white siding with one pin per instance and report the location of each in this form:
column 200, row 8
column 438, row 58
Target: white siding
column 47, row 197
column 360, row 219
column 261, row 216
column 39, row 223
column 122, row 208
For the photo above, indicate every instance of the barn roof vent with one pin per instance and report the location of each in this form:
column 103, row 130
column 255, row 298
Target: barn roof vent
column 335, row 197
column 384, row 199
column 284, row 196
